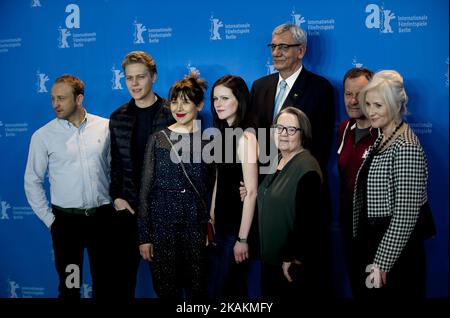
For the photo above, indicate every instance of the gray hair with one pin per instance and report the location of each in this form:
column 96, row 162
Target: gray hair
column 297, row 33
column 389, row 85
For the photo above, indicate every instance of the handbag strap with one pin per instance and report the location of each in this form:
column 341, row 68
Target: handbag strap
column 184, row 169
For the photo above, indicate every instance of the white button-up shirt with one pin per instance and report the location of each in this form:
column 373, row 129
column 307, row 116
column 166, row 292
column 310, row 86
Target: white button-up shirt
column 78, row 164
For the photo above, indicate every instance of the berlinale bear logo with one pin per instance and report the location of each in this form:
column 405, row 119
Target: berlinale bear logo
column 72, row 22
column 379, row 18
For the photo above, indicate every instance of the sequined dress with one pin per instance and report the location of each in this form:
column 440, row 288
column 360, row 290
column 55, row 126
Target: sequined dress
column 172, row 216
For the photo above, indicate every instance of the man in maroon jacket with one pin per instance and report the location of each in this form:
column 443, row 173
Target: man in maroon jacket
column 354, row 137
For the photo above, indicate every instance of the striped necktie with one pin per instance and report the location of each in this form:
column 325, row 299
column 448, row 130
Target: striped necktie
column 279, row 97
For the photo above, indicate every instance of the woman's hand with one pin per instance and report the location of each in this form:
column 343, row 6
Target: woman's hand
column 146, row 251
column 242, row 191
column 240, row 252
column 376, row 278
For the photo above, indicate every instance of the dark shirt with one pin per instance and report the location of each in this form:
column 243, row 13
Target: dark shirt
column 228, row 206
column 142, row 130
column 360, row 133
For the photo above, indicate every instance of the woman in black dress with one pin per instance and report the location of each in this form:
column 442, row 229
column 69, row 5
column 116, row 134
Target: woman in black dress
column 233, row 217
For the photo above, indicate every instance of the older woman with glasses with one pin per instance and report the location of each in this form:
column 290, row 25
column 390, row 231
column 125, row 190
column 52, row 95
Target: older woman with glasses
column 292, row 221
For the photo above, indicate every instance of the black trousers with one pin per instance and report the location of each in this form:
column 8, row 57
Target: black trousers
column 351, row 259
column 125, row 257
column 71, row 234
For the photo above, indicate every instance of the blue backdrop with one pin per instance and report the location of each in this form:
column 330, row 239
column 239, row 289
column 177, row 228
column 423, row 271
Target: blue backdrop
column 42, row 39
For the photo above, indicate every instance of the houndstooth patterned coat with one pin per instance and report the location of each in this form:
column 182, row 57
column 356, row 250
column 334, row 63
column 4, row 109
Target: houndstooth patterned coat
column 396, row 187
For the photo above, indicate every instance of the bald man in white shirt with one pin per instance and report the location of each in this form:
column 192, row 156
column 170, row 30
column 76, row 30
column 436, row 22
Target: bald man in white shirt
column 75, row 150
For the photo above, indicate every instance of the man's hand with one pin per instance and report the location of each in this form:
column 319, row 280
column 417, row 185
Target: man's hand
column 121, row 204
column 286, row 266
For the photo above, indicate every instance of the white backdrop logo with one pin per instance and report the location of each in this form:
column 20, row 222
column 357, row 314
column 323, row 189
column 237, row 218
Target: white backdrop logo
column 63, row 35
column 72, row 23
column 13, row 129
column 312, row 26
column 153, row 35
column 16, row 212
column 270, row 68
column 139, row 28
column 379, row 18
column 13, row 289
column 355, row 62
column 73, row 19
column 117, row 76
column 4, row 210
column 192, row 69
column 86, row 291
column 388, row 16
column 421, row 128
column 42, row 78
column 35, row 3
column 8, row 44
column 232, row 31
column 16, row 290
column 216, row 24
column 383, row 19
column 297, row 18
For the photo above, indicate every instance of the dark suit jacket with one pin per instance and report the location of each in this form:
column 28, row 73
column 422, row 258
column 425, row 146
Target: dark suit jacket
column 311, row 93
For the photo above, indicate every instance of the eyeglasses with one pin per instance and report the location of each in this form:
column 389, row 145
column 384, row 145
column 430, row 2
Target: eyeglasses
column 291, row 130
column 282, row 46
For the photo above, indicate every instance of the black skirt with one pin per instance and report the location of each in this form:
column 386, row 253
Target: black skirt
column 406, row 279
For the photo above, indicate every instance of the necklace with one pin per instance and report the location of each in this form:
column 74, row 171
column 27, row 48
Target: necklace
column 390, row 137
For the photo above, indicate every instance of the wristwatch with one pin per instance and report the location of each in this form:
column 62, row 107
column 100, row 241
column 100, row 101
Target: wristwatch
column 242, row 240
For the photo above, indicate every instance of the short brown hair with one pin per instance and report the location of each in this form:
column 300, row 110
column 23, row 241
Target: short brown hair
column 142, row 57
column 357, row 72
column 76, row 83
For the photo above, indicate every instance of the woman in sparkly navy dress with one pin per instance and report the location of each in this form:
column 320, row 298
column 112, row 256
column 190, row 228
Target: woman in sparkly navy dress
column 172, row 215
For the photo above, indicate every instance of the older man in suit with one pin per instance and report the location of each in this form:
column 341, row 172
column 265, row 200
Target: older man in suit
column 294, row 85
